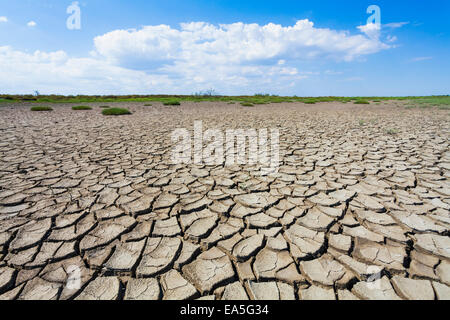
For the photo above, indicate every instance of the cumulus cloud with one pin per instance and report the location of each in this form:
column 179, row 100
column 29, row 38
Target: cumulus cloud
column 3, row 19
column 372, row 30
column 56, row 72
column 236, row 43
column 233, row 58
column 31, row 24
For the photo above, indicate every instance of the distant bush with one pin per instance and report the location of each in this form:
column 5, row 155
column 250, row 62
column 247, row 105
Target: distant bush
column 148, row 105
column 361, row 102
column 81, row 108
column 41, row 109
column 207, row 93
column 115, row 112
column 247, row 104
column 172, row 103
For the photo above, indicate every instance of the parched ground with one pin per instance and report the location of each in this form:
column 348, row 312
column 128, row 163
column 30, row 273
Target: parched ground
column 363, row 193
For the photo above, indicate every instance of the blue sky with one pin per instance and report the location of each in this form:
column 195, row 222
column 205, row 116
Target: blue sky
column 304, row 48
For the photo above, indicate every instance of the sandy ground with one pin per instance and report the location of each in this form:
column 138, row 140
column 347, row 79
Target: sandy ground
column 92, row 208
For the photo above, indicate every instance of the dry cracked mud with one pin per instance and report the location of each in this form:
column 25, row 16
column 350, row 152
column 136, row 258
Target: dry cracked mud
column 92, row 208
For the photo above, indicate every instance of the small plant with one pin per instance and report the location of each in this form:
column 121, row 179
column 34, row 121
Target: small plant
column 148, row 105
column 362, row 122
column 115, row 112
column 392, row 131
column 361, row 102
column 172, row 103
column 81, row 108
column 41, row 109
column 247, row 104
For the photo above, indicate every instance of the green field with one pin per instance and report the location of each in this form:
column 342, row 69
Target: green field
column 442, row 102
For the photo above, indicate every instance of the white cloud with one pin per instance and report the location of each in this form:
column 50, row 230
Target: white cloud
column 391, row 38
column 234, row 59
column 333, row 73
column 395, row 25
column 31, row 24
column 57, row 73
column 3, row 19
column 418, row 59
column 353, row 79
column 236, row 43
column 372, row 30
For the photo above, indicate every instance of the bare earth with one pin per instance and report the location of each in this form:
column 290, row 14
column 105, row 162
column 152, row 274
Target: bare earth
column 363, row 193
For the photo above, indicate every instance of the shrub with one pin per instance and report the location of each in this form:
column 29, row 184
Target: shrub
column 172, row 103
column 361, row 102
column 391, row 131
column 41, row 109
column 81, row 108
column 247, row 104
column 104, row 107
column 148, row 105
column 115, row 112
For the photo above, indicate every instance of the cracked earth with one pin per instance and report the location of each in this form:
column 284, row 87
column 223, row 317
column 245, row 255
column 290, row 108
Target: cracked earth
column 352, row 202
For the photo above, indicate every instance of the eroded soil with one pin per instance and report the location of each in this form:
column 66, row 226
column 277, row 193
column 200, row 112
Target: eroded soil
column 362, row 193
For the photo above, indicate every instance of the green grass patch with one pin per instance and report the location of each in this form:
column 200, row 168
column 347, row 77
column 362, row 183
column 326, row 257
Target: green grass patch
column 361, row 102
column 115, row 112
column 79, row 108
column 441, row 102
column 148, row 105
column 41, row 109
column 104, row 107
column 247, row 104
column 435, row 101
column 172, row 103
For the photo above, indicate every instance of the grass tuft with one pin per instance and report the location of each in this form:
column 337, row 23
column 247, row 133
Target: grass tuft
column 41, row 109
column 247, row 104
column 82, row 108
column 392, row 131
column 115, row 112
column 361, row 102
column 172, row 103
